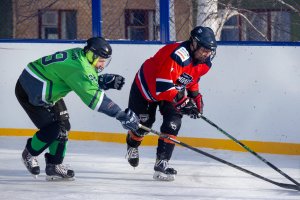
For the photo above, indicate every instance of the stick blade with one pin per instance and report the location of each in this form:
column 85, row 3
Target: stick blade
column 289, row 186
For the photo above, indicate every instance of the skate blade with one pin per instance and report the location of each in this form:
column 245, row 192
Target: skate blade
column 58, row 178
column 159, row 176
column 134, row 165
column 35, row 176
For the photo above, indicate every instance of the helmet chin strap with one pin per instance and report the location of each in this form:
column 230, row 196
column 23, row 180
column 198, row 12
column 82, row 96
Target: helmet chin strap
column 92, row 58
column 95, row 61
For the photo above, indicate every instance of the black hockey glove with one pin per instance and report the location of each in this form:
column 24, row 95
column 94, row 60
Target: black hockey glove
column 128, row 119
column 187, row 106
column 111, row 81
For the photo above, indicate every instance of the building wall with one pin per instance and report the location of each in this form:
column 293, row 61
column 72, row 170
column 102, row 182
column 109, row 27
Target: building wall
column 26, row 17
column 26, row 24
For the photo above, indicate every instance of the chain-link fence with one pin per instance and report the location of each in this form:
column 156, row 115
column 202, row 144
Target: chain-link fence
column 137, row 20
column 44, row 19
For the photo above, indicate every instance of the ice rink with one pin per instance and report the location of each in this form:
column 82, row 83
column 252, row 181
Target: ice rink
column 102, row 172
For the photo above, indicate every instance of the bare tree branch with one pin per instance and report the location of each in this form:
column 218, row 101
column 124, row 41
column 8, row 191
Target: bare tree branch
column 33, row 14
column 253, row 26
column 289, row 6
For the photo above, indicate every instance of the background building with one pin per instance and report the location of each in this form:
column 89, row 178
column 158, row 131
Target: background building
column 136, row 20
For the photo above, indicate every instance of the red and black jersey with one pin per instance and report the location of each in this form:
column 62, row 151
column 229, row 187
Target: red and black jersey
column 169, row 71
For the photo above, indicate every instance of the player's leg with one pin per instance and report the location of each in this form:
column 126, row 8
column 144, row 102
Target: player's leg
column 42, row 118
column 45, row 119
column 146, row 112
column 171, row 125
column 55, row 169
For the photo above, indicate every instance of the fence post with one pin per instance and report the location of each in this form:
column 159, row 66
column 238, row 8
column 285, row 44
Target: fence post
column 96, row 18
column 164, row 21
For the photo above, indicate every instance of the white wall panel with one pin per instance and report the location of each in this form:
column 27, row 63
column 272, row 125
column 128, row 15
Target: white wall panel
column 253, row 92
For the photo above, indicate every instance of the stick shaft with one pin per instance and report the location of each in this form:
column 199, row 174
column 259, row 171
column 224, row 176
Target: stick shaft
column 283, row 185
column 250, row 150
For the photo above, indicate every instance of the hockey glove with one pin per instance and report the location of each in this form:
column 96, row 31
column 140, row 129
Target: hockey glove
column 111, row 81
column 128, row 119
column 199, row 103
column 187, row 106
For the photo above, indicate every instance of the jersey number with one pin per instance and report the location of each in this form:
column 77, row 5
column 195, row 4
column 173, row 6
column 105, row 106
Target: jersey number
column 56, row 57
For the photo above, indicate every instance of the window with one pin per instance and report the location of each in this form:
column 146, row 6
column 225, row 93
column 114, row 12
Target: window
column 260, row 22
column 275, row 25
column 139, row 24
column 281, row 20
column 272, row 26
column 57, row 24
column 230, row 31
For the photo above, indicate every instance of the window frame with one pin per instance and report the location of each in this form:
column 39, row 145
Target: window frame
column 58, row 26
column 146, row 26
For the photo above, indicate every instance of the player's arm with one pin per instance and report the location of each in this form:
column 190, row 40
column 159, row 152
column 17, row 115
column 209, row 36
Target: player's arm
column 86, row 87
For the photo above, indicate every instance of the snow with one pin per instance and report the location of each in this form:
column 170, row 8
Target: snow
column 102, row 172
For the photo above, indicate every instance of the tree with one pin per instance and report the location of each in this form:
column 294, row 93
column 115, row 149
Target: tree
column 268, row 20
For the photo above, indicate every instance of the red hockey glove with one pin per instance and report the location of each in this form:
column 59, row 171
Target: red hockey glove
column 199, row 102
column 188, row 107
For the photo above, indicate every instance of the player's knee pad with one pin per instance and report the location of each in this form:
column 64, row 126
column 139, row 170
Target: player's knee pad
column 62, row 115
column 63, row 119
column 49, row 133
column 65, row 125
column 63, row 136
column 171, row 125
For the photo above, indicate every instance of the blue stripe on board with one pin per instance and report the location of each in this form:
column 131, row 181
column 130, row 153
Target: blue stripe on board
column 222, row 43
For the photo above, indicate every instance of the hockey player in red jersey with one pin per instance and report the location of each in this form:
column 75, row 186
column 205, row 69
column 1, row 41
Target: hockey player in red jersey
column 170, row 80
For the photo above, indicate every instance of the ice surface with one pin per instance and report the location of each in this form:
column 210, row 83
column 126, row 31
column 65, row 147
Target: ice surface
column 102, row 172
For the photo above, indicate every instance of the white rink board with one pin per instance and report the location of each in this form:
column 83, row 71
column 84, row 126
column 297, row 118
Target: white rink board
column 252, row 92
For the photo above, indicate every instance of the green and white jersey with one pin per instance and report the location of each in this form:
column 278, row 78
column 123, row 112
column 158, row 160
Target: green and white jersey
column 52, row 77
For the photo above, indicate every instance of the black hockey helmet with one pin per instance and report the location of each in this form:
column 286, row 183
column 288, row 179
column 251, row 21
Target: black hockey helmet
column 99, row 46
column 205, row 37
column 96, row 48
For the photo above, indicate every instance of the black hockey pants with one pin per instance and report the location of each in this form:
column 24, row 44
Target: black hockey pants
column 53, row 124
column 147, row 113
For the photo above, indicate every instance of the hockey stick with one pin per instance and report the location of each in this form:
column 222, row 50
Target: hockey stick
column 283, row 185
column 250, row 150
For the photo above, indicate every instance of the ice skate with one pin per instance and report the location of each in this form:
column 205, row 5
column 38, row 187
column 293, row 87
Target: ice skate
column 58, row 172
column 31, row 163
column 163, row 172
column 133, row 156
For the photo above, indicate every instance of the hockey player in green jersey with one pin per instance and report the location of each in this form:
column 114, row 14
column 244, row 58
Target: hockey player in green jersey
column 40, row 90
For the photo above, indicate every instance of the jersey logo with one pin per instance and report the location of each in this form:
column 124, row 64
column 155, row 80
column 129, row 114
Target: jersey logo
column 93, row 78
column 173, row 125
column 74, row 55
column 183, row 80
column 182, row 53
